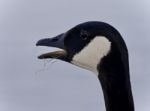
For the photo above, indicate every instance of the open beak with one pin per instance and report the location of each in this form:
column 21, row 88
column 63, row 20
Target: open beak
column 57, row 42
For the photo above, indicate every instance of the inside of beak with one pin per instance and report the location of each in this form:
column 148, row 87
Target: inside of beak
column 56, row 55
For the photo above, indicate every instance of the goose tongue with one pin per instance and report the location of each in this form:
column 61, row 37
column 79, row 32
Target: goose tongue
column 55, row 54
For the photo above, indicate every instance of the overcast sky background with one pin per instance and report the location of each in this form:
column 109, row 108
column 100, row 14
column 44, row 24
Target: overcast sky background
column 29, row 84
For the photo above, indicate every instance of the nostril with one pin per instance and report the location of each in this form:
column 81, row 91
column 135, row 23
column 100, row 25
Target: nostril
column 54, row 39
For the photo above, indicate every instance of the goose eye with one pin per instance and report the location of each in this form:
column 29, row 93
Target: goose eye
column 84, row 35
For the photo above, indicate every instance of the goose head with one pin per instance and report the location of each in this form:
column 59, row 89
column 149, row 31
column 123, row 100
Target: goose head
column 86, row 45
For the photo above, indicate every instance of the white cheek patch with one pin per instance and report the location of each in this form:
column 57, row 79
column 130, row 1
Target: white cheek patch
column 90, row 56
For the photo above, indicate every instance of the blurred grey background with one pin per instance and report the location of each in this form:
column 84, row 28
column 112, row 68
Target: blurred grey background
column 29, row 84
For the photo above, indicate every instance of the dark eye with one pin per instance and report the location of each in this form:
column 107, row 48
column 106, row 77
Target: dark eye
column 84, row 35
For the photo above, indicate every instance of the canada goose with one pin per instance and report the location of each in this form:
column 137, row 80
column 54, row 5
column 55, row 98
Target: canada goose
column 98, row 47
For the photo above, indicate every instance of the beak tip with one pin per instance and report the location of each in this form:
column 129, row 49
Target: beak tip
column 37, row 44
column 40, row 57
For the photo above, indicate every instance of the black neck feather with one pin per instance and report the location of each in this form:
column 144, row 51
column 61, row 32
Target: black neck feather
column 115, row 81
